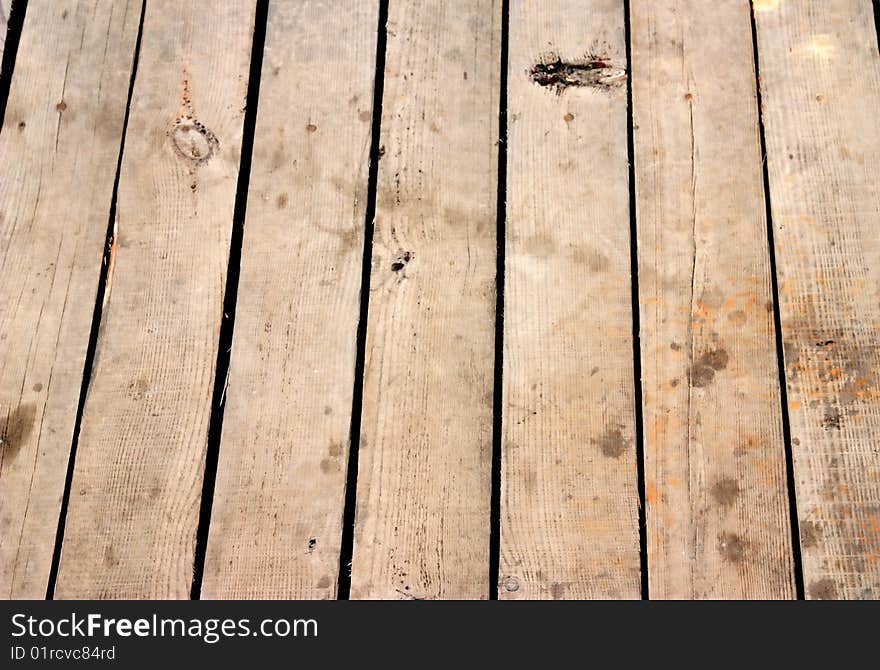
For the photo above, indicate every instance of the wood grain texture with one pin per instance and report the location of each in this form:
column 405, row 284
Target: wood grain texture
column 58, row 154
column 277, row 515
column 569, row 520
column 716, row 498
column 422, row 526
column 820, row 76
column 137, row 484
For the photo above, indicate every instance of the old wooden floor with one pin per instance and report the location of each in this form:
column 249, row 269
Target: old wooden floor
column 575, row 299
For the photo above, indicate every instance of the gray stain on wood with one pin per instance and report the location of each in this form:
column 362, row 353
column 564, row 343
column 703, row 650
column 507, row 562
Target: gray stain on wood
column 811, row 533
column 732, row 547
column 704, row 368
column 725, row 491
column 612, row 443
column 823, row 589
column 18, row 427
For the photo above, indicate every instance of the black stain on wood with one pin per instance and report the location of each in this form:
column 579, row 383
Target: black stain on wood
column 832, row 419
column 597, row 71
column 18, row 427
column 402, row 260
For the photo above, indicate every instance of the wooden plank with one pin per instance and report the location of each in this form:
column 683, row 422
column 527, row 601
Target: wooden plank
column 277, row 515
column 138, row 480
column 5, row 6
column 58, row 154
column 569, row 520
column 422, row 527
column 717, row 504
column 820, row 77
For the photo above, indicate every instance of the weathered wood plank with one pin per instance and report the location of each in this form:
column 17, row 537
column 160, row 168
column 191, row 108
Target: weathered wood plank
column 277, row 516
column 716, row 498
column 569, row 520
column 820, row 76
column 422, row 527
column 5, row 6
column 138, row 479
column 58, row 154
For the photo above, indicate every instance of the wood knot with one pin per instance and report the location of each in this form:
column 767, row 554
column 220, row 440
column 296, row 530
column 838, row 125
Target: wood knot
column 193, row 141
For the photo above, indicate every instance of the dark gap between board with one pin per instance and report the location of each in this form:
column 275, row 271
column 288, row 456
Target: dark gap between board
column 498, row 390
column 777, row 325
column 636, row 315
column 230, row 296
column 343, row 584
column 97, row 313
column 877, row 21
column 14, row 25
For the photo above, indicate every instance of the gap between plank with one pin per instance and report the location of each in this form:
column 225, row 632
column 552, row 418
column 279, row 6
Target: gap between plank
column 877, row 21
column 777, row 325
column 106, row 264
column 501, row 237
column 230, row 296
column 636, row 316
column 14, row 25
column 343, row 584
